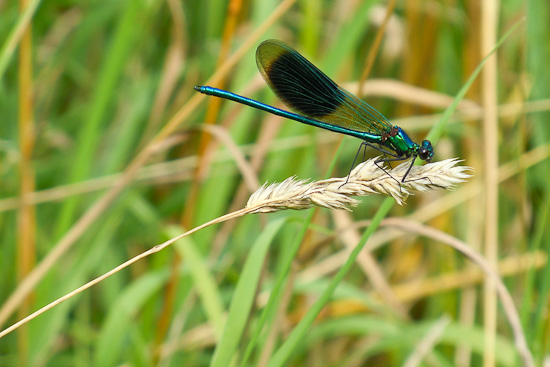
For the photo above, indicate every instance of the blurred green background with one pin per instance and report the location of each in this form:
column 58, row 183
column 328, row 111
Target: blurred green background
column 104, row 154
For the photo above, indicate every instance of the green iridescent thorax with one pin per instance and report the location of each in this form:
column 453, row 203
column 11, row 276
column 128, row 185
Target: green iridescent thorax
column 398, row 141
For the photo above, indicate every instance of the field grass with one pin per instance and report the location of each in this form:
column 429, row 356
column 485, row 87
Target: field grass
column 106, row 151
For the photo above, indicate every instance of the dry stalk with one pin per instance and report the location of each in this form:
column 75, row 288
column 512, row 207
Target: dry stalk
column 334, row 193
column 365, row 179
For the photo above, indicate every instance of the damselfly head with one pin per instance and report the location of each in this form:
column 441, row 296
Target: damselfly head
column 426, row 151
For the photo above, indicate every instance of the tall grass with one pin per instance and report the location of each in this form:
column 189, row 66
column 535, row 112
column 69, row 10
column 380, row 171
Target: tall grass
column 107, row 151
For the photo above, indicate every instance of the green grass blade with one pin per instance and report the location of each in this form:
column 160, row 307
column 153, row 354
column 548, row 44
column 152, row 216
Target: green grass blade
column 15, row 35
column 437, row 130
column 295, row 338
column 111, row 339
column 244, row 295
column 204, row 281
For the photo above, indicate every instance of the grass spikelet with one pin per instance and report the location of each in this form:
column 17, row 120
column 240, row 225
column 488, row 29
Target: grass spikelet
column 365, row 179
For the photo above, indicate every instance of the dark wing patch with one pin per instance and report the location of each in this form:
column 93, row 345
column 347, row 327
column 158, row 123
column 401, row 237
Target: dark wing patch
column 308, row 91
